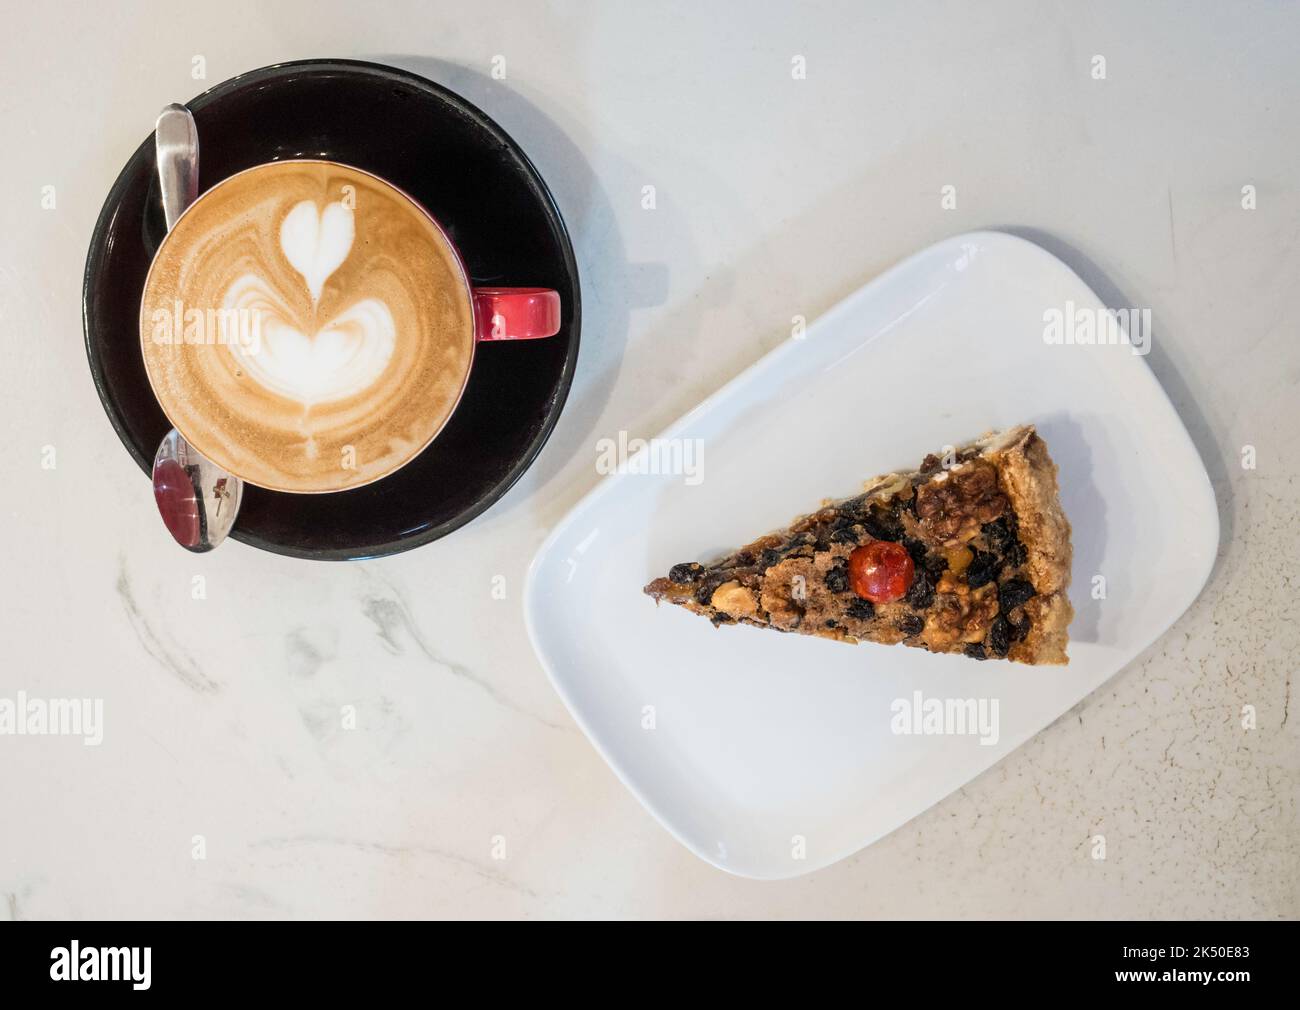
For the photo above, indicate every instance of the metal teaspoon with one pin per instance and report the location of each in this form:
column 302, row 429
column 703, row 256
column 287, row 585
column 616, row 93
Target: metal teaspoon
column 197, row 499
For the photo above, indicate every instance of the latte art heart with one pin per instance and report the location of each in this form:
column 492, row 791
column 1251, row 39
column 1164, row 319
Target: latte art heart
column 316, row 243
column 363, row 335
column 346, row 354
column 343, row 358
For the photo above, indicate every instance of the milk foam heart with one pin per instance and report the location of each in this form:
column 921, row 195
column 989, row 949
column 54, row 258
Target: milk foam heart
column 341, row 359
column 317, row 242
column 364, row 326
column 344, row 355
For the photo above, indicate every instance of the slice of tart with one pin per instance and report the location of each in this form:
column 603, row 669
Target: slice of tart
column 969, row 554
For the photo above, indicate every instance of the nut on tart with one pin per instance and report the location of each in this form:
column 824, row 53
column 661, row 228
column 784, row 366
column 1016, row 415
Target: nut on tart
column 968, row 554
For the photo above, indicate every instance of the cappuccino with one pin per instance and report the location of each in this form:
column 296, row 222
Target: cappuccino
column 307, row 326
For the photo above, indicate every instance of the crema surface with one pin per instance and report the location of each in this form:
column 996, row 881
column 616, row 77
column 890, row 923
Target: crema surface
column 307, row 327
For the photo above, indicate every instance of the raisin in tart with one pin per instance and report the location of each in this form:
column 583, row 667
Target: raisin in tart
column 970, row 554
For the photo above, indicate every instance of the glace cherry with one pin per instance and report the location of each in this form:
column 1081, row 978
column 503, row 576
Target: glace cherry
column 881, row 571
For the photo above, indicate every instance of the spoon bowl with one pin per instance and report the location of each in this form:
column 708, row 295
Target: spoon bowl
column 198, row 501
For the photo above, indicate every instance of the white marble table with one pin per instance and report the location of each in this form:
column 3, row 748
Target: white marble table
column 775, row 196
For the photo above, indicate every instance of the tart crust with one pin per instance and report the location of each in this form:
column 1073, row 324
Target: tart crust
column 983, row 526
column 1029, row 476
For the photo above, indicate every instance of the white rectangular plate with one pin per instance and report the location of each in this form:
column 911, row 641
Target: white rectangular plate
column 773, row 755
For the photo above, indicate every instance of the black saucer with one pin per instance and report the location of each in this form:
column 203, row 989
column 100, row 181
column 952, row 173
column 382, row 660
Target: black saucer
column 464, row 168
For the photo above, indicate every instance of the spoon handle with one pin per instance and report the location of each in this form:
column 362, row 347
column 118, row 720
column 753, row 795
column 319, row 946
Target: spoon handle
column 176, row 144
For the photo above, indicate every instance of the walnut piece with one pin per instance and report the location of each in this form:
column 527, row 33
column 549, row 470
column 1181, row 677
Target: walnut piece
column 734, row 599
column 954, row 505
column 960, row 614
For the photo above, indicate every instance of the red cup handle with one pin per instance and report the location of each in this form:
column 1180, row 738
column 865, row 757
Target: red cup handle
column 516, row 313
